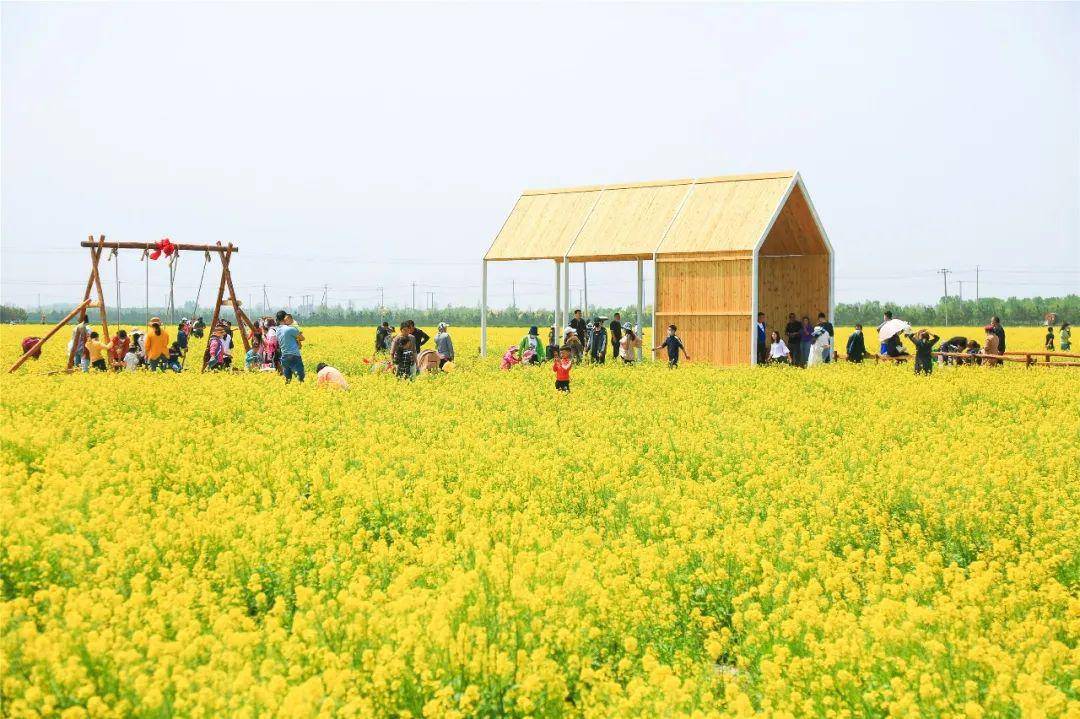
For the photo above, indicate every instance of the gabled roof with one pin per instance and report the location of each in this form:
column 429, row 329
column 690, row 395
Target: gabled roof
column 624, row 222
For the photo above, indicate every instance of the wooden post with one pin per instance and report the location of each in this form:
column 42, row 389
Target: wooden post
column 37, row 345
column 100, row 292
column 217, row 303
column 240, row 316
column 483, row 309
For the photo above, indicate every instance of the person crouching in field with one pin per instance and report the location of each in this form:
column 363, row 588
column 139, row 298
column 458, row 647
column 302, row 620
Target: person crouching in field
column 562, row 367
column 672, row 344
column 924, row 346
column 327, row 376
column 94, row 349
column 175, row 355
column 511, row 358
column 121, row 345
column 856, row 345
column 778, row 351
column 215, row 349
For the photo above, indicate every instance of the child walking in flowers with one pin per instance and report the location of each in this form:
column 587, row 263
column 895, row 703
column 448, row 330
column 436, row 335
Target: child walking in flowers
column 562, row 370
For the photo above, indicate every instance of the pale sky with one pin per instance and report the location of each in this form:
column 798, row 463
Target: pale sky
column 367, row 145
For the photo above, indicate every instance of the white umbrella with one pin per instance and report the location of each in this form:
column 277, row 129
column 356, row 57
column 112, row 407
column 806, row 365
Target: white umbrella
column 892, row 328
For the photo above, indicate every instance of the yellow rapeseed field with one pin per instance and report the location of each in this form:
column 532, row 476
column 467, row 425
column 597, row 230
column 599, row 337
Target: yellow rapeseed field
column 846, row 541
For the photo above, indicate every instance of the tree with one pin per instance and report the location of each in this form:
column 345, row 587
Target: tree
column 12, row 314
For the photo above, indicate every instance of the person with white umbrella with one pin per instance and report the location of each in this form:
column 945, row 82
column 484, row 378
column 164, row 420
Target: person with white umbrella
column 889, row 333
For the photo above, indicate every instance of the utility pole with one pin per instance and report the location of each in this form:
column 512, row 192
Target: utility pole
column 961, row 282
column 290, row 302
column 513, row 294
column 945, row 276
column 325, row 288
column 414, row 295
column 382, row 299
column 976, row 283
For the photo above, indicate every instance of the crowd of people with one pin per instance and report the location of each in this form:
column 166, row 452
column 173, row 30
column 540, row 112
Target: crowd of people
column 276, row 346
column 588, row 341
column 153, row 348
column 803, row 344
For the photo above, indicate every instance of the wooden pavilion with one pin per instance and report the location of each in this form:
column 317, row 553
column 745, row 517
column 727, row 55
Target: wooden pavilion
column 724, row 249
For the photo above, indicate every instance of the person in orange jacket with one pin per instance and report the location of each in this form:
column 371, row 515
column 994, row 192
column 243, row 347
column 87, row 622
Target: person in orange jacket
column 157, row 345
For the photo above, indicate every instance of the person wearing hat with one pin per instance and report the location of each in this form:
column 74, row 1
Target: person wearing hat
column 530, row 347
column 215, row 349
column 444, row 346
column 574, row 343
column 598, row 341
column 157, row 345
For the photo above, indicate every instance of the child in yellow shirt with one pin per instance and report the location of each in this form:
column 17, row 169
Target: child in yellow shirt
column 95, row 347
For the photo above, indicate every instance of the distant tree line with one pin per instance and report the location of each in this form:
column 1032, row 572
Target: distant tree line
column 1014, row 311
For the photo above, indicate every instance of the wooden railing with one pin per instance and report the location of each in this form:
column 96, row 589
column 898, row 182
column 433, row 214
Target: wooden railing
column 1028, row 359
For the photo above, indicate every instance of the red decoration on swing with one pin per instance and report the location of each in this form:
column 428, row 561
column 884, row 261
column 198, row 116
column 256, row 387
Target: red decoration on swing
column 164, row 245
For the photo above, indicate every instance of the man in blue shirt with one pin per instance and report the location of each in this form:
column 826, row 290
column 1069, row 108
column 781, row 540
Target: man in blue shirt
column 289, row 338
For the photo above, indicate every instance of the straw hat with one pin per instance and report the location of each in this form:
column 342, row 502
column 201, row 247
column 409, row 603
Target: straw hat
column 154, row 319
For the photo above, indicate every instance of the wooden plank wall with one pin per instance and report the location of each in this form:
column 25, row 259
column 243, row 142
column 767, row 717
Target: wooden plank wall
column 710, row 302
column 798, row 284
column 794, row 232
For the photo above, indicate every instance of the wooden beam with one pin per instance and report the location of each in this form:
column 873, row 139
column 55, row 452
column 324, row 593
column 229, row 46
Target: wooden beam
column 53, row 331
column 718, row 313
column 153, row 246
column 240, row 316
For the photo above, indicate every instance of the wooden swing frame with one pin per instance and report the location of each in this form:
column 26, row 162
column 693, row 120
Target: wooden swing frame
column 93, row 284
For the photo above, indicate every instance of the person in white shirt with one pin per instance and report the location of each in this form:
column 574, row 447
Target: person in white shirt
column 821, row 346
column 227, row 343
column 778, row 351
column 328, row 376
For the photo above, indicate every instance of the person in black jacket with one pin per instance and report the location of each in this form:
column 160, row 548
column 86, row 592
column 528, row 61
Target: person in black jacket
column 381, row 334
column 856, row 345
column 598, row 341
column 616, row 335
column 924, row 346
column 419, row 336
column 793, row 332
column 579, row 326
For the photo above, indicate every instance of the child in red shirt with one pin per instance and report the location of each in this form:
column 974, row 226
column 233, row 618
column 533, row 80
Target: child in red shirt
column 562, row 370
